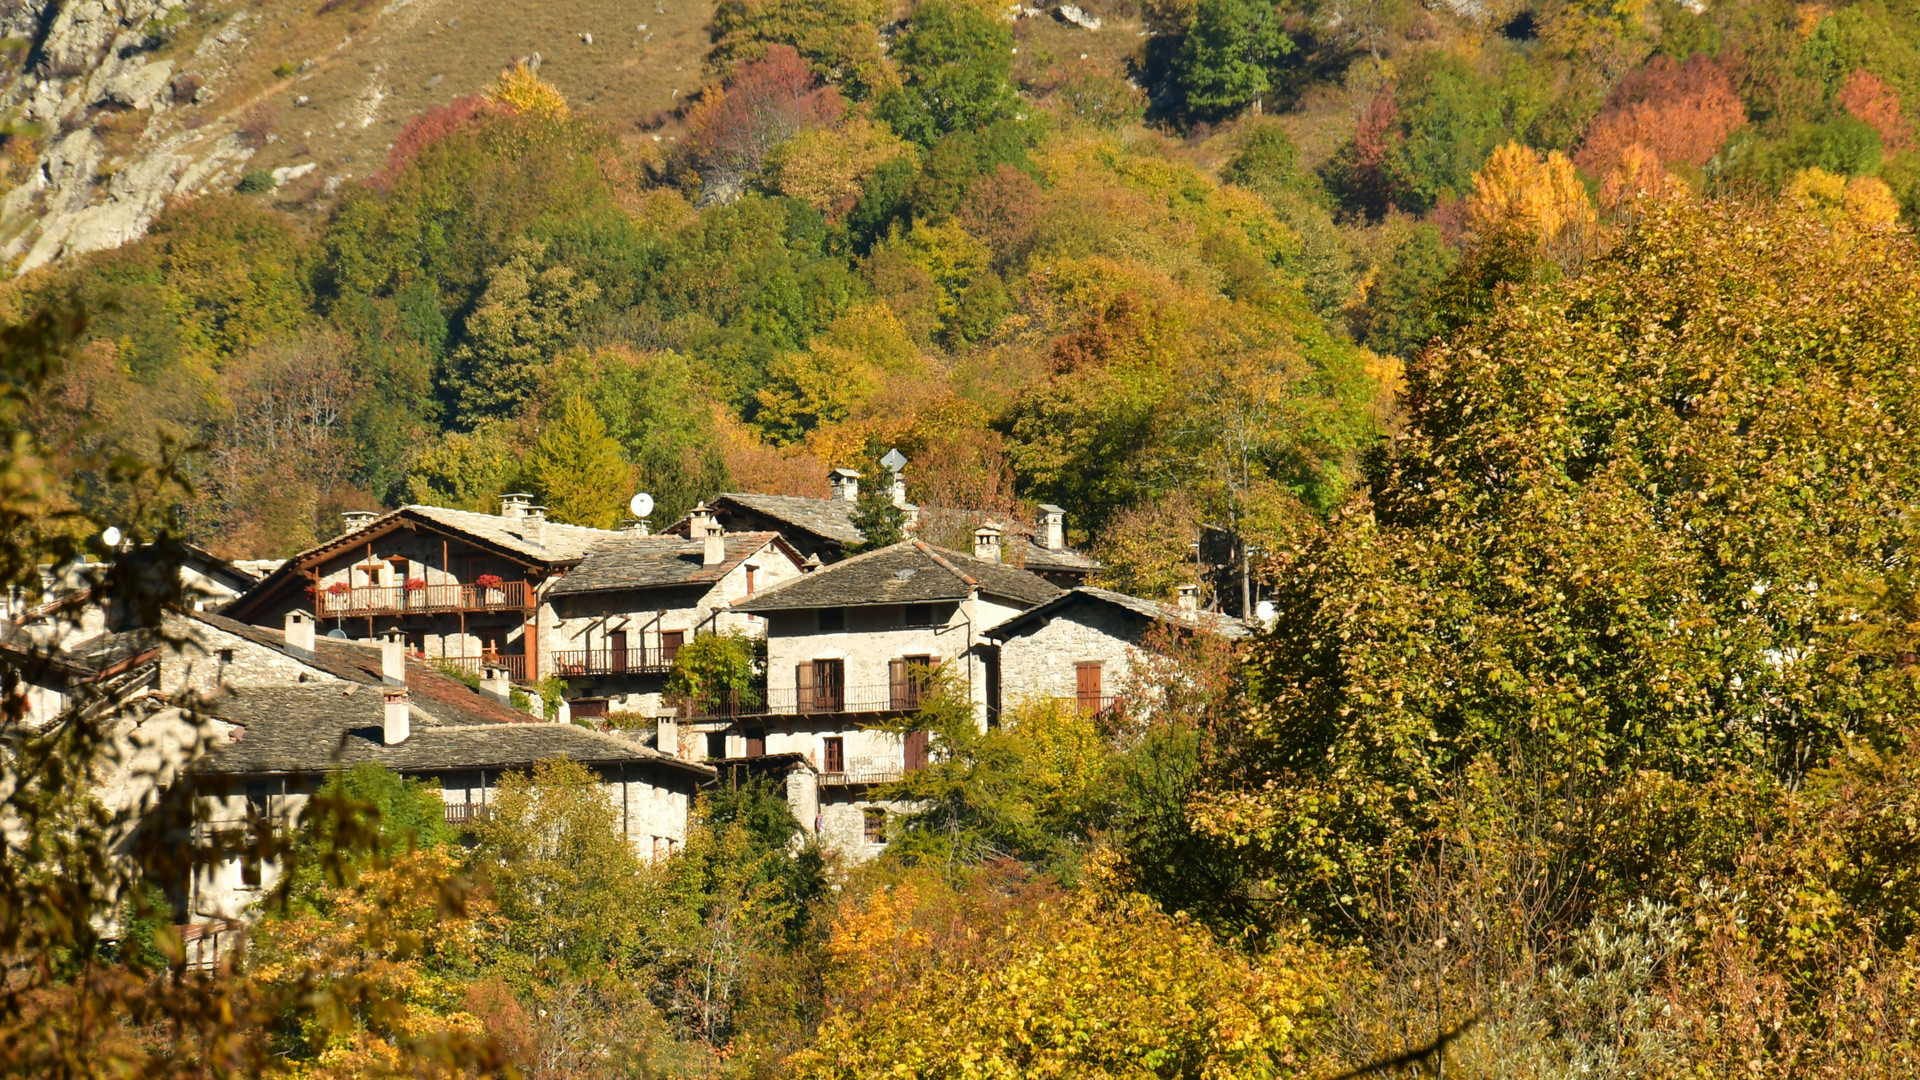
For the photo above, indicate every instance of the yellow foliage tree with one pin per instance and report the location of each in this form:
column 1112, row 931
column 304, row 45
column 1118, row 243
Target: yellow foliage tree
column 1862, row 202
column 1072, row 987
column 1637, row 180
column 824, row 167
column 522, row 91
column 862, row 353
column 1517, row 190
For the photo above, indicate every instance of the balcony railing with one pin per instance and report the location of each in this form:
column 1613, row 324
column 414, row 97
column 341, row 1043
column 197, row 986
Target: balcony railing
column 466, row 813
column 850, row 777
column 789, row 701
column 515, row 663
column 652, row 661
column 400, row 600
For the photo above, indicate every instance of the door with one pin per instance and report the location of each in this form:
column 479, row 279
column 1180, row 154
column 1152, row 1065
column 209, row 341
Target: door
column 836, row 755
column 756, row 742
column 617, row 651
column 670, row 642
column 821, row 685
column 1087, row 687
column 990, row 660
column 907, row 677
column 915, row 751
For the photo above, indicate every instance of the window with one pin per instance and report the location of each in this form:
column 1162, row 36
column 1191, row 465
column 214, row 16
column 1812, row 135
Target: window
column 833, row 620
column 1086, row 685
column 756, row 742
column 751, row 572
column 820, row 685
column 876, row 825
column 916, row 615
column 259, row 828
column 906, row 678
column 836, row 755
column 670, row 642
column 226, row 657
column 716, row 744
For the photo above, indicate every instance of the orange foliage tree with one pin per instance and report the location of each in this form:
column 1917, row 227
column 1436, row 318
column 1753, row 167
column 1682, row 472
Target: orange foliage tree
column 1867, row 97
column 1681, row 112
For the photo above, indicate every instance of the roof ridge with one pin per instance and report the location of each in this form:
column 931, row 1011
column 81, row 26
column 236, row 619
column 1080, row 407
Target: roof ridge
column 933, row 553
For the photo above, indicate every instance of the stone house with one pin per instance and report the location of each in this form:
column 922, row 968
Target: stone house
column 465, row 589
column 847, row 645
column 1083, row 645
column 622, row 614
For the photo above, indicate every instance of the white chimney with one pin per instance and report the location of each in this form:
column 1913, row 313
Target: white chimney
column 715, row 551
column 1053, row 526
column 300, row 630
column 845, row 484
column 514, row 507
column 699, row 519
column 986, row 542
column 353, row 520
column 666, row 735
column 397, row 723
column 393, row 657
column 537, row 520
column 1190, row 600
column 496, row 683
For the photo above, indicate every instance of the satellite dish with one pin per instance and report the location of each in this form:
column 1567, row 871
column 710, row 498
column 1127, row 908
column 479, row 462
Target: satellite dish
column 895, row 460
column 642, row 505
column 111, row 537
column 1264, row 610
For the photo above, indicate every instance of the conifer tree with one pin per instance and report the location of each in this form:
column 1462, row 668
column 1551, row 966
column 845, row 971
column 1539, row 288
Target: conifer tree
column 579, row 469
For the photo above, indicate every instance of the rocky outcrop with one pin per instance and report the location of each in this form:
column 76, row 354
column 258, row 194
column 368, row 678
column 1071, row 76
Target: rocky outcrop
column 91, row 61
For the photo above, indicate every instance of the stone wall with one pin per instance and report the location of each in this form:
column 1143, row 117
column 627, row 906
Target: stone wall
column 1040, row 662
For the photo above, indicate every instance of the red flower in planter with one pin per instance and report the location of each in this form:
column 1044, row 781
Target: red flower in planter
column 339, row 588
column 490, row 581
column 416, row 584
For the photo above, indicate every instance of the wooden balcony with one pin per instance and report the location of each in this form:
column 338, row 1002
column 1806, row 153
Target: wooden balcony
column 654, row 661
column 515, row 663
column 428, row 600
column 463, row 814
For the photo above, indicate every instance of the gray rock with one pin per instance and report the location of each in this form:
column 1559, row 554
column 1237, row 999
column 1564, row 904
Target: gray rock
column 140, row 87
column 1072, row 13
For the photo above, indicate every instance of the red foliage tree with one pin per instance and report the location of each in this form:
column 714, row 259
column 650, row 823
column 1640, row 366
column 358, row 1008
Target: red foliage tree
column 1865, row 96
column 763, row 105
column 1679, row 112
column 428, row 128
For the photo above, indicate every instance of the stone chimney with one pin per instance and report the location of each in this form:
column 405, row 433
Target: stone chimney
column 397, row 723
column 845, row 485
column 1190, row 600
column 496, row 683
column 715, row 551
column 1053, row 527
column 300, row 630
column 536, row 525
column 699, row 519
column 986, row 542
column 666, row 735
column 514, row 507
column 812, row 564
column 354, row 520
column 393, row 657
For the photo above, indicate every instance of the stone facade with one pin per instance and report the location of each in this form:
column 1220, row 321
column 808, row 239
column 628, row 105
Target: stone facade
column 1045, row 662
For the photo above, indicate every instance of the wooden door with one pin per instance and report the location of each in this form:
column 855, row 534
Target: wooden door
column 915, row 751
column 670, row 642
column 1087, row 687
column 756, row 742
column 617, row 651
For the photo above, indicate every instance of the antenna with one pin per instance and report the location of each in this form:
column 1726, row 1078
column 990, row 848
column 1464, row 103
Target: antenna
column 642, row 505
column 1264, row 611
column 895, row 460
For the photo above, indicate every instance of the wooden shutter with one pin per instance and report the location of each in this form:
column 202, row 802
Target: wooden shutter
column 899, row 686
column 670, row 642
column 803, row 684
column 617, row 650
column 836, row 755
column 756, row 742
column 916, row 750
column 1086, row 679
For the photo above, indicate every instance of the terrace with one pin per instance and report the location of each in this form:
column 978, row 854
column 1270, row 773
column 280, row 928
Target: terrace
column 336, row 600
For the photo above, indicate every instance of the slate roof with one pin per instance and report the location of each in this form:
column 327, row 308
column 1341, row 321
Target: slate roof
column 434, row 693
column 648, row 562
column 910, row 572
column 1213, row 622
column 830, row 519
column 1035, row 556
column 309, row 729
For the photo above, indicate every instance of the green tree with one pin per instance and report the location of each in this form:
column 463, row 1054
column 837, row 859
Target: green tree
column 716, row 667
column 956, row 63
column 369, row 814
column 578, row 469
column 1399, row 317
column 525, row 317
column 1228, row 54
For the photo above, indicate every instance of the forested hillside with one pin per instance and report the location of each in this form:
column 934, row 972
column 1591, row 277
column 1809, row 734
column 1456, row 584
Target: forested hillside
column 1050, row 263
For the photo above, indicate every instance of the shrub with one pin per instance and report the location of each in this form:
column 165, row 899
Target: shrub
column 255, row 182
column 721, row 667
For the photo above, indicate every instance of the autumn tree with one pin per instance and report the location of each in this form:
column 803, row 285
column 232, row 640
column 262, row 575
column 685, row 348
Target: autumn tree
column 1868, row 97
column 1679, row 112
column 578, row 469
column 838, row 40
column 765, row 103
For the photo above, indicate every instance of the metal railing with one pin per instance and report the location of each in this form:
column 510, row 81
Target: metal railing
column 641, row 661
column 400, row 600
column 792, row 701
column 515, row 663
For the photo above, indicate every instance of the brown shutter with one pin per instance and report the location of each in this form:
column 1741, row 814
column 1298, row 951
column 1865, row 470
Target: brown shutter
column 1087, row 685
column 803, row 684
column 899, row 687
column 916, row 750
column 617, row 651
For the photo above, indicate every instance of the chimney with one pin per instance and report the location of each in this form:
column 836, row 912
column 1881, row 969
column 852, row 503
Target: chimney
column 496, row 684
column 393, row 657
column 1190, row 600
column 354, row 520
column 1053, row 526
column 699, row 519
column 397, row 724
column 986, row 542
column 845, row 485
column 715, row 552
column 666, row 735
column 634, row 526
column 300, row 630
column 812, row 564
column 514, row 507
column 537, row 522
